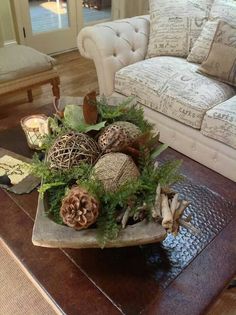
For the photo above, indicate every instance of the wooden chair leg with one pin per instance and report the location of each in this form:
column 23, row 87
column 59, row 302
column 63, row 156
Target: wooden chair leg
column 56, row 87
column 30, row 95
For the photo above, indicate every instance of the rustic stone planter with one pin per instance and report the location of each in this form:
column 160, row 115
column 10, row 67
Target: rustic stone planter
column 47, row 233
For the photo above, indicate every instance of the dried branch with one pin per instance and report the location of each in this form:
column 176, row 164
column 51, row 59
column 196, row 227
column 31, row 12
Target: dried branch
column 174, row 204
column 156, row 211
column 167, row 221
column 179, row 212
column 189, row 227
column 125, row 218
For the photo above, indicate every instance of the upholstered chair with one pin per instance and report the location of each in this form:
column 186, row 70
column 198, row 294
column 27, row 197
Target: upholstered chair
column 23, row 68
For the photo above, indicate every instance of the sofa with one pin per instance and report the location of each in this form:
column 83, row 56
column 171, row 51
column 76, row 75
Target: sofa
column 195, row 114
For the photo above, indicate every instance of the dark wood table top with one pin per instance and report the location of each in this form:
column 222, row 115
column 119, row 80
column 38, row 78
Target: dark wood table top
column 128, row 280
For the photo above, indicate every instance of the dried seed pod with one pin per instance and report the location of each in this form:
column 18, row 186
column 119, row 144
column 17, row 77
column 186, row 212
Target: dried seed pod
column 118, row 136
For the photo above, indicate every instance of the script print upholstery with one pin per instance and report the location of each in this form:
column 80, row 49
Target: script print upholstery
column 175, row 25
column 221, row 10
column 221, row 60
column 220, row 122
column 171, row 86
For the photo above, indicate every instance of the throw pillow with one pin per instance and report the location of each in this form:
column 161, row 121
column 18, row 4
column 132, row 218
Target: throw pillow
column 221, row 60
column 175, row 25
column 221, row 10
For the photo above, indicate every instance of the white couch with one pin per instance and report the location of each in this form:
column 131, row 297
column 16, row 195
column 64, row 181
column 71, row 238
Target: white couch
column 195, row 115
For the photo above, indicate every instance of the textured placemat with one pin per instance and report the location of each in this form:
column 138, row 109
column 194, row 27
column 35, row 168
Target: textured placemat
column 19, row 292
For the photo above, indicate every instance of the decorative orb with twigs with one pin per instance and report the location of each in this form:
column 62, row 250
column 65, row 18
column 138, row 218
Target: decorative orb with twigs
column 71, row 149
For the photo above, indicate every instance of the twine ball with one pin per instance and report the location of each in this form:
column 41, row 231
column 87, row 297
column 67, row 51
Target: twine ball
column 114, row 170
column 117, row 136
column 71, row 149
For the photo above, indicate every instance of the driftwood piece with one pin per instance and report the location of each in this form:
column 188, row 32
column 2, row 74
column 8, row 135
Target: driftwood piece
column 179, row 212
column 156, row 211
column 125, row 218
column 156, row 164
column 188, row 218
column 175, row 229
column 140, row 212
column 189, row 226
column 167, row 217
column 120, row 216
column 174, row 204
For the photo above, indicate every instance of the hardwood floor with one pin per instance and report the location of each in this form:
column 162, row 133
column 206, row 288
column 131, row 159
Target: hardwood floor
column 78, row 77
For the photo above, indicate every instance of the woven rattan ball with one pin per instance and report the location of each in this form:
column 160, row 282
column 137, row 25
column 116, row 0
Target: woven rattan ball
column 117, row 136
column 114, row 170
column 71, row 149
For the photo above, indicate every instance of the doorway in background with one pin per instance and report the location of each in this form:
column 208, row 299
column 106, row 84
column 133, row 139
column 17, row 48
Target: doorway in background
column 96, row 11
column 48, row 26
column 52, row 26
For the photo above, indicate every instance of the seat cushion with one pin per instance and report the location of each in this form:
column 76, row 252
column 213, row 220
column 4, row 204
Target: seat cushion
column 220, row 122
column 17, row 61
column 171, row 86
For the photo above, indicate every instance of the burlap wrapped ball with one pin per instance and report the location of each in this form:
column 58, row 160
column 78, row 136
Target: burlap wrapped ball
column 71, row 149
column 117, row 136
column 114, row 170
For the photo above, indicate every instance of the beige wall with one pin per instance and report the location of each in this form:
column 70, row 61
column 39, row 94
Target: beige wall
column 6, row 21
column 128, row 8
column 136, row 7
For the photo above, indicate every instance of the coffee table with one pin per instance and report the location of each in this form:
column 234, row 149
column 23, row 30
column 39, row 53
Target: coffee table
column 128, row 280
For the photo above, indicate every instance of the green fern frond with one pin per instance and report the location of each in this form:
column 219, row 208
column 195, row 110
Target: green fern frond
column 169, row 173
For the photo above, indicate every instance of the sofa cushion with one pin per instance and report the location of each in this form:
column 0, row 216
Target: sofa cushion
column 221, row 10
column 221, row 59
column 175, row 25
column 16, row 61
column 171, row 86
column 220, row 122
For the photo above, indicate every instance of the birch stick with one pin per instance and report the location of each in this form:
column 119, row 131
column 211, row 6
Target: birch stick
column 125, row 218
column 174, row 204
column 183, row 205
column 156, row 211
column 167, row 221
column 189, row 227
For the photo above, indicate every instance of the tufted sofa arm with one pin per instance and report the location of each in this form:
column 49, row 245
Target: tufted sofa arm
column 114, row 45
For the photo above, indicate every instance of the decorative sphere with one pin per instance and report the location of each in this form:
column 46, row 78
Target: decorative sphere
column 71, row 149
column 114, row 170
column 117, row 136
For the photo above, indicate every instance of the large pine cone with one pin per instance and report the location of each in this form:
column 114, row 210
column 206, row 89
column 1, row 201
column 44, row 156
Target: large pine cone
column 79, row 209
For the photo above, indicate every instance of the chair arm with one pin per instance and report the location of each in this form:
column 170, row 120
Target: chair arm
column 114, row 45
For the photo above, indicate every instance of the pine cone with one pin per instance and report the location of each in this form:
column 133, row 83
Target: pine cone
column 79, row 209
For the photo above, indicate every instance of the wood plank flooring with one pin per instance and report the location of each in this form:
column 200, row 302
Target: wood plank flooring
column 78, row 77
